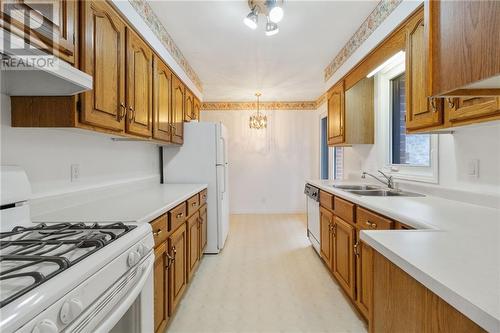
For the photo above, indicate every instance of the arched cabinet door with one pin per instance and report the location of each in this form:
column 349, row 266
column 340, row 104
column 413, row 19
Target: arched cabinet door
column 103, row 57
column 139, row 86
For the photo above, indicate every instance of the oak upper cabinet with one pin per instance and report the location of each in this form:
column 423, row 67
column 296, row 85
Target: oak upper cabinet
column 335, row 100
column 193, row 254
column 189, row 106
column 463, row 40
column 203, row 229
column 196, row 108
column 139, row 86
column 421, row 111
column 465, row 110
column 103, row 57
column 53, row 25
column 177, row 273
column 162, row 101
column 326, row 227
column 178, row 95
column 343, row 255
column 161, row 288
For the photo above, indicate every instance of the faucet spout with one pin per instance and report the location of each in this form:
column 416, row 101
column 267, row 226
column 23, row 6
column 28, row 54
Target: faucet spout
column 389, row 182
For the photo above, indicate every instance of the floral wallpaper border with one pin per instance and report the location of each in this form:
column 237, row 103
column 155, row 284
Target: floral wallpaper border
column 147, row 14
column 241, row 106
column 372, row 22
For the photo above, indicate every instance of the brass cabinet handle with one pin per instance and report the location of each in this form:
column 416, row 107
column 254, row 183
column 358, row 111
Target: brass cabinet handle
column 356, row 252
column 123, row 112
column 204, row 196
column 451, row 103
column 334, row 229
column 371, row 224
column 433, row 104
column 131, row 114
column 170, row 259
column 157, row 232
column 179, row 215
column 194, row 204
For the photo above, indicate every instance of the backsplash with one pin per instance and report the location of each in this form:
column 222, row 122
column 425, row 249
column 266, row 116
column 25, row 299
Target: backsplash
column 48, row 153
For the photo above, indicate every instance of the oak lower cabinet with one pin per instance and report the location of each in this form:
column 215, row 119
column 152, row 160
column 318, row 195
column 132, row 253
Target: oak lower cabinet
column 203, row 229
column 52, row 25
column 139, row 65
column 364, row 277
column 343, row 255
column 402, row 304
column 177, row 277
column 161, row 288
column 326, row 227
column 103, row 57
column 193, row 253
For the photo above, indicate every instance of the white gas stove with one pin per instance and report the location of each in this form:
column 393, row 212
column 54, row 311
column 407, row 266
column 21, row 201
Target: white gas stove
column 71, row 277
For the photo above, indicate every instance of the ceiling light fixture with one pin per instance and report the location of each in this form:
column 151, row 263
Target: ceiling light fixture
column 271, row 9
column 251, row 19
column 258, row 120
column 397, row 58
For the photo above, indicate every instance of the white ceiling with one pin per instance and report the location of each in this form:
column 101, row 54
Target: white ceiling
column 233, row 62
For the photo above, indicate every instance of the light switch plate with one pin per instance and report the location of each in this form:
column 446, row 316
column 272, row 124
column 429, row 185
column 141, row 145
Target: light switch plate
column 473, row 168
column 75, row 172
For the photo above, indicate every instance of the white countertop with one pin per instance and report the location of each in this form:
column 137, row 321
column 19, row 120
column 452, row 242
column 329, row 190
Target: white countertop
column 138, row 205
column 457, row 256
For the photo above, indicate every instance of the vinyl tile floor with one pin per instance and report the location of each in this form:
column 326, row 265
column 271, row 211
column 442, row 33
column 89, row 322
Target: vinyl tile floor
column 267, row 279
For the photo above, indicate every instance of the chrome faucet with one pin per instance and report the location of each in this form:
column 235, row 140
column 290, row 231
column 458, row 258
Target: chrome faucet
column 389, row 182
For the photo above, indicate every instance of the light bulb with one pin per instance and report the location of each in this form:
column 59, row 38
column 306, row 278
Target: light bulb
column 276, row 14
column 251, row 20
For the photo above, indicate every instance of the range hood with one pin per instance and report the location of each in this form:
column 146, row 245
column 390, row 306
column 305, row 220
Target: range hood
column 58, row 79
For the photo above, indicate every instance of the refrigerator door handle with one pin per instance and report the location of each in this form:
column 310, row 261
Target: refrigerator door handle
column 224, row 161
column 225, row 177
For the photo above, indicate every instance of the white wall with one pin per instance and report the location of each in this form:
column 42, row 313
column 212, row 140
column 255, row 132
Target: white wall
column 268, row 168
column 47, row 154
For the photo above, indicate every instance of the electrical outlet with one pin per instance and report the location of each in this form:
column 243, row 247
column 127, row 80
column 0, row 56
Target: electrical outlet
column 75, row 172
column 473, row 168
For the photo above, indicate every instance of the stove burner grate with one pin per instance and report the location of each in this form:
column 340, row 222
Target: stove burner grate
column 43, row 251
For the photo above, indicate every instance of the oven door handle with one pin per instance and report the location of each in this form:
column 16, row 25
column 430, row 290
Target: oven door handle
column 129, row 299
column 143, row 284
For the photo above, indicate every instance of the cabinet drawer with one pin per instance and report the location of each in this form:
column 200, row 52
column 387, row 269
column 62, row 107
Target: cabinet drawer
column 193, row 204
column 326, row 199
column 176, row 216
column 344, row 209
column 160, row 229
column 402, row 226
column 371, row 221
column 203, row 197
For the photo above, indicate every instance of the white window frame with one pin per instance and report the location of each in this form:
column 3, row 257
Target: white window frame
column 383, row 112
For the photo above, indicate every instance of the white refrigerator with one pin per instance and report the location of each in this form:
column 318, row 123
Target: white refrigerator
column 203, row 159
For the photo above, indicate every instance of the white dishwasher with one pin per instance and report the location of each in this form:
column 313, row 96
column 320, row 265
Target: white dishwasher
column 313, row 232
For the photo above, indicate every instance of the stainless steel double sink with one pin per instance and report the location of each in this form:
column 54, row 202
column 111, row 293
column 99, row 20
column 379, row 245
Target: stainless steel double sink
column 376, row 191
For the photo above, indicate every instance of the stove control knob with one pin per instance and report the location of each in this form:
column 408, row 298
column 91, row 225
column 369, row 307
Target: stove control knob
column 45, row 326
column 141, row 249
column 70, row 310
column 133, row 258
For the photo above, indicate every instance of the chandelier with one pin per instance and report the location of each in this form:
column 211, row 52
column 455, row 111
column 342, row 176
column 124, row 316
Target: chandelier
column 258, row 120
column 271, row 9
